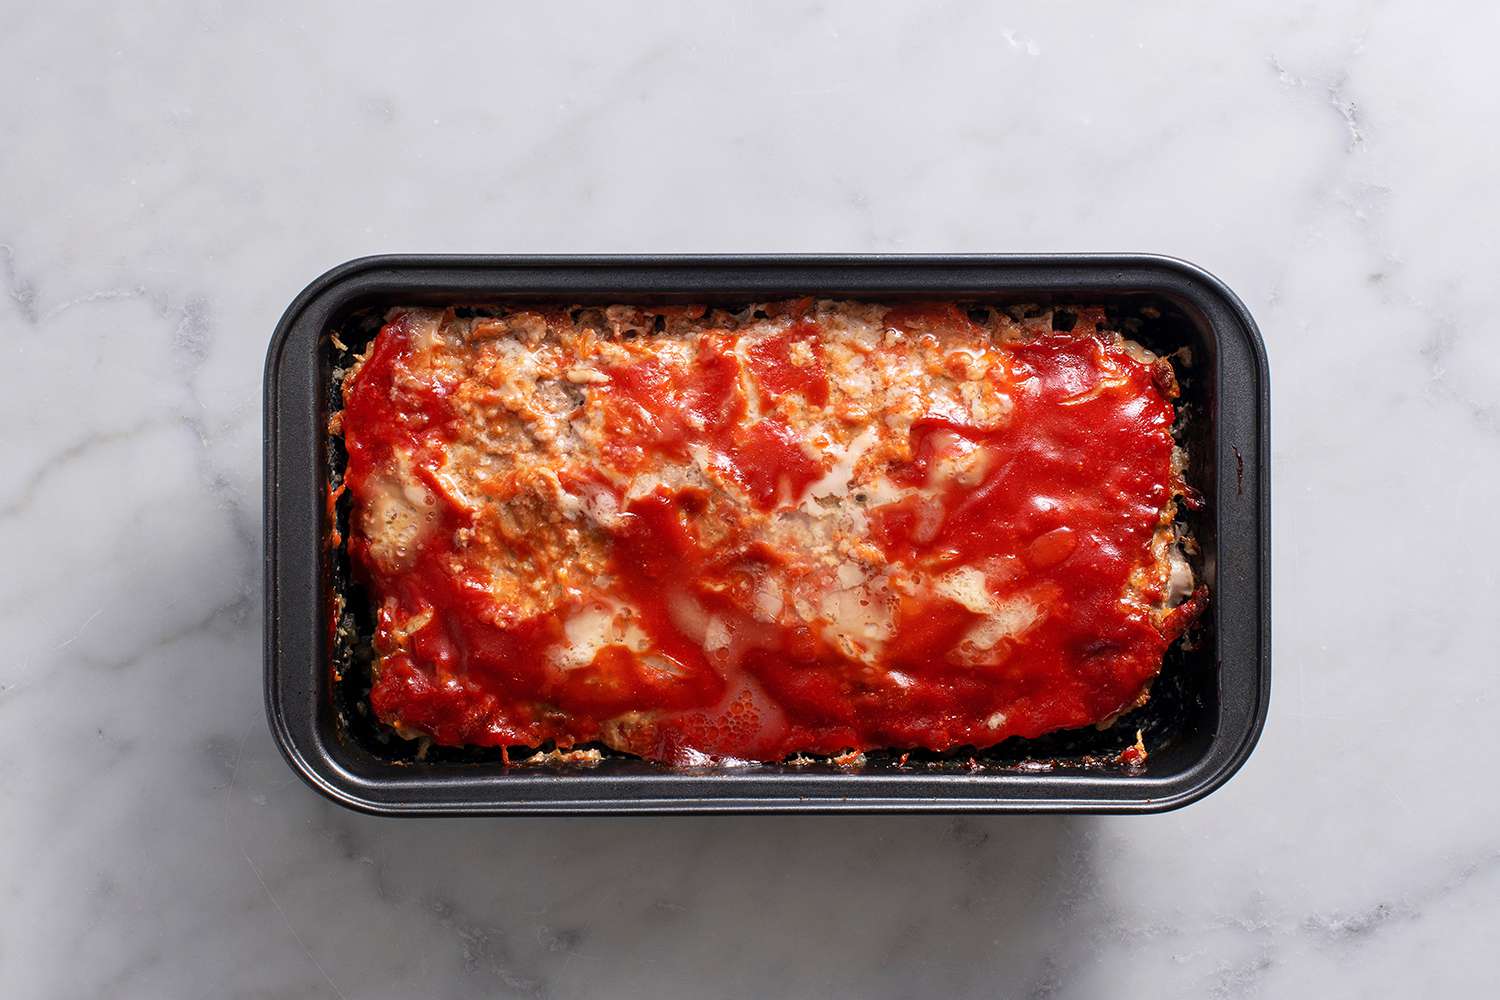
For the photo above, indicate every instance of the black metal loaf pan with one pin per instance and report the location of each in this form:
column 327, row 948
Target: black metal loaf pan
column 1206, row 710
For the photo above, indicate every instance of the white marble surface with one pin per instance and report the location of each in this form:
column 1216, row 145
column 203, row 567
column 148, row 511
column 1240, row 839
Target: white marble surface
column 171, row 175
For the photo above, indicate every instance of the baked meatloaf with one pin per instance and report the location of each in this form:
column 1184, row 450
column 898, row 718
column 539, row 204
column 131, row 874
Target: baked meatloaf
column 800, row 527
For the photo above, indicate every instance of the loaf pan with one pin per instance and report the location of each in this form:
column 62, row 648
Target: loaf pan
column 1206, row 710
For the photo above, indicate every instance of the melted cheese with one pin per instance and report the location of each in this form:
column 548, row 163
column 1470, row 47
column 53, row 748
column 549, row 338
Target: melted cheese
column 835, row 483
column 595, row 627
column 397, row 515
column 1001, row 619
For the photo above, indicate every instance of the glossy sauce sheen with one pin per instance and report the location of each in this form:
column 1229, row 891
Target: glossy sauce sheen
column 1021, row 594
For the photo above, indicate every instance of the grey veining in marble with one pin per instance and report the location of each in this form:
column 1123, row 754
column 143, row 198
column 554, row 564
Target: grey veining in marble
column 172, row 174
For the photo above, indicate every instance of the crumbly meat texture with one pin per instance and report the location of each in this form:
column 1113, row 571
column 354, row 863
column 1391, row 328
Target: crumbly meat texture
column 808, row 526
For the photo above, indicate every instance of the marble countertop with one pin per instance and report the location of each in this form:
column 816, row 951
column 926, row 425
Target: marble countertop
column 171, row 179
